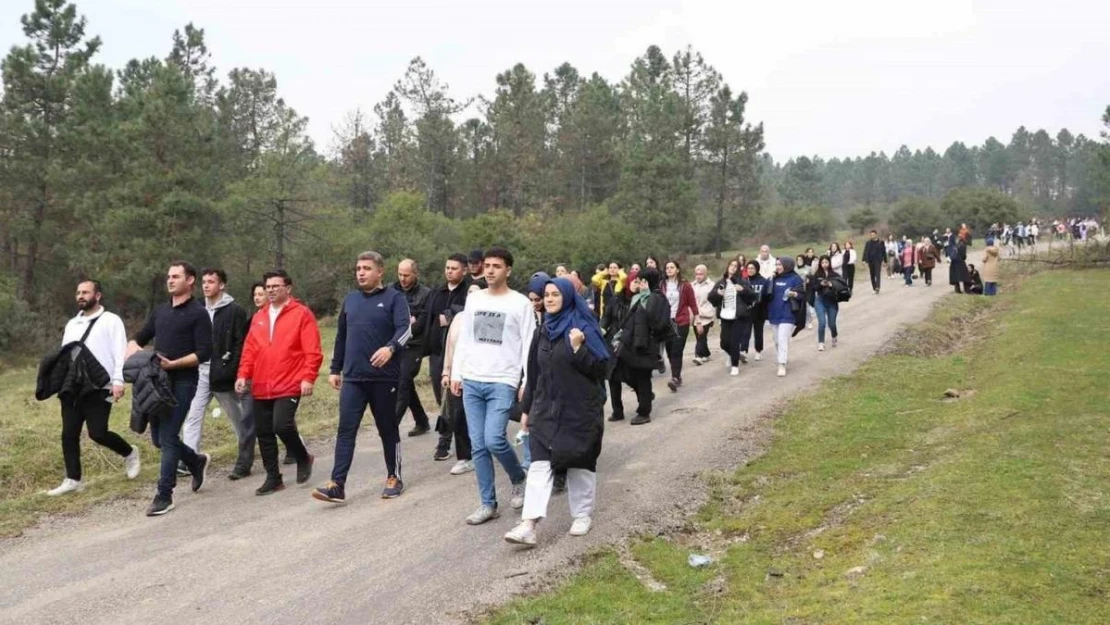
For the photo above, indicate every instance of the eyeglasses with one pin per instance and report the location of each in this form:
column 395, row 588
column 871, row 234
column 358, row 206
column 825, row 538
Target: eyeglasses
column 274, row 287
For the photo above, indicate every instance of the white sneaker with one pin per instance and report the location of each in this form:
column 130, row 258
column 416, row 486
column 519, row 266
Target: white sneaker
column 68, row 486
column 131, row 463
column 820, row 347
column 698, row 360
column 811, row 325
column 581, row 526
column 462, row 466
column 758, row 356
column 782, row 371
column 482, row 514
column 734, row 371
column 522, row 534
column 516, row 502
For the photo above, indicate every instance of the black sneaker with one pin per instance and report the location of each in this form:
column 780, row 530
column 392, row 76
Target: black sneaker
column 616, row 416
column 442, row 454
column 304, row 469
column 270, row 486
column 289, row 459
column 160, row 505
column 331, row 493
column 560, row 485
column 419, row 429
column 640, row 419
column 673, row 385
column 182, row 470
column 203, row 460
column 238, row 474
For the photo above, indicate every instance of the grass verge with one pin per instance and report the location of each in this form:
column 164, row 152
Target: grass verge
column 31, row 454
column 882, row 502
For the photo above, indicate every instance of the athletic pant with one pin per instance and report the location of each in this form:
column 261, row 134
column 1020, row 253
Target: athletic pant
column 782, row 333
column 581, row 490
column 166, row 434
column 850, row 275
column 759, row 319
column 92, row 409
column 354, row 397
column 407, row 398
column 701, row 341
column 238, row 414
column 876, row 269
column 675, row 347
column 277, row 418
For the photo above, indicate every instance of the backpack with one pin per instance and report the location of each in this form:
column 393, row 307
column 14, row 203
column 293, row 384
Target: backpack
column 840, row 287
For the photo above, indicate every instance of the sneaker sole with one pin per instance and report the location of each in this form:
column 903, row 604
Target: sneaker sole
column 161, row 512
column 513, row 540
column 318, row 496
column 391, row 495
column 270, row 492
column 203, row 473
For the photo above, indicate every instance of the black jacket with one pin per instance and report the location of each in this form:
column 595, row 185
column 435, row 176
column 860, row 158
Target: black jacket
column 417, row 298
column 957, row 269
column 70, row 375
column 746, row 298
column 565, row 402
column 230, row 325
column 151, row 395
column 441, row 301
column 640, row 332
column 612, row 319
column 874, row 252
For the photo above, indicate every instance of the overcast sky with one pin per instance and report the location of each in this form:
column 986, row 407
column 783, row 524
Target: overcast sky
column 832, row 78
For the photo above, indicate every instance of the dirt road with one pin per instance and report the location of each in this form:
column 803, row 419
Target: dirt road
column 227, row 556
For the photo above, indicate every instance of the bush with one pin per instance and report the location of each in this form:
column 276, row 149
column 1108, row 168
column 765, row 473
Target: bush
column 785, row 225
column 979, row 208
column 914, row 217
column 862, row 217
column 21, row 330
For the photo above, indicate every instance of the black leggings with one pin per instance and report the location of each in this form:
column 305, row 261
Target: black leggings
column 92, row 409
column 735, row 336
column 850, row 275
column 758, row 321
column 675, row 347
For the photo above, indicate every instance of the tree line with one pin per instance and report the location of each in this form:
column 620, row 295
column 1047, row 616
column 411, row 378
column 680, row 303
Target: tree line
column 112, row 172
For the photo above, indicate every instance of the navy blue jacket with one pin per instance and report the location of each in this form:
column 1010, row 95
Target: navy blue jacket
column 367, row 323
column 778, row 309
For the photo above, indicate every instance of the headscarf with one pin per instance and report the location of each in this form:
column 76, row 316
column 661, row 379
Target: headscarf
column 787, row 264
column 538, row 281
column 575, row 313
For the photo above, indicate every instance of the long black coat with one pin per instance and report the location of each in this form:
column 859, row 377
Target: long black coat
column 957, row 270
column 565, row 410
column 640, row 332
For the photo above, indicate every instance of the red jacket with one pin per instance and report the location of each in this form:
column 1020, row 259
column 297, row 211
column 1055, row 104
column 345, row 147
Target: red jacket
column 687, row 303
column 277, row 367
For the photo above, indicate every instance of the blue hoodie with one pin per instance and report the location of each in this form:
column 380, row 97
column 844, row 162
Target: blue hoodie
column 778, row 310
column 367, row 323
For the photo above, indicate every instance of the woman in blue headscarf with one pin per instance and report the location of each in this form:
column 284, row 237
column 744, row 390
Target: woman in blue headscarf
column 563, row 404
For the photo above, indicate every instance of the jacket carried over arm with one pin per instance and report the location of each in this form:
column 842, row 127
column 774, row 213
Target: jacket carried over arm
column 152, row 397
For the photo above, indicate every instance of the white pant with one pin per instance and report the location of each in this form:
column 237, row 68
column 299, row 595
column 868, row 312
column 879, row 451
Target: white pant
column 581, row 488
column 782, row 333
column 194, row 421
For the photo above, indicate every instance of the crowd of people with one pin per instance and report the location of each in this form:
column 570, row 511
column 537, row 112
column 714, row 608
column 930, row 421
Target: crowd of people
column 550, row 358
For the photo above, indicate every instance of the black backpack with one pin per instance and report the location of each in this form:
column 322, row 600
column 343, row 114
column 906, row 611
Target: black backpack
column 840, row 287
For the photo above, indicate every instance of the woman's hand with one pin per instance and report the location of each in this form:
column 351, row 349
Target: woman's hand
column 577, row 338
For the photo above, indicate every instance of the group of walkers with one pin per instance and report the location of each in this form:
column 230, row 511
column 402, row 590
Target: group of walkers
column 549, row 358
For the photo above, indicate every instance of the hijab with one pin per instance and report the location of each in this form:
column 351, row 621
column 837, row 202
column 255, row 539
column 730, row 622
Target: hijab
column 575, row 313
column 787, row 265
column 536, row 284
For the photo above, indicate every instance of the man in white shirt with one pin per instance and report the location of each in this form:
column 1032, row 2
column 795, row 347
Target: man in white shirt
column 487, row 370
column 107, row 342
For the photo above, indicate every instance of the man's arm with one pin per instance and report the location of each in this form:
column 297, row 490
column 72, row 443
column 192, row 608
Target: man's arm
column 144, row 336
column 310, row 344
column 339, row 350
column 117, row 334
column 465, row 338
column 402, row 328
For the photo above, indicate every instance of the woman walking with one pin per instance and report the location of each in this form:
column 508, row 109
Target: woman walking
column 823, row 287
column 562, row 410
column 733, row 296
column 803, row 270
column 637, row 343
column 850, row 258
column 786, row 310
column 927, row 258
column 612, row 320
column 684, row 310
column 908, row 258
column 762, row 288
column 957, row 269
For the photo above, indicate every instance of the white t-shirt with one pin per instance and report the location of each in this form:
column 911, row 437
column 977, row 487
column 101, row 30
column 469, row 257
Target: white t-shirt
column 494, row 339
column 274, row 312
column 107, row 341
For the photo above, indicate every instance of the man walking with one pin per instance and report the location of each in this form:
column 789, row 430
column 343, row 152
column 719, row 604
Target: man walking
column 373, row 329
column 217, row 377
column 487, row 370
column 874, row 254
column 416, row 295
column 182, row 335
column 443, row 304
column 280, row 363
column 104, row 336
column 474, row 264
column 766, row 262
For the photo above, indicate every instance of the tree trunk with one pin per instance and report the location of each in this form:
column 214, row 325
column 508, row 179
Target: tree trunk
column 721, row 206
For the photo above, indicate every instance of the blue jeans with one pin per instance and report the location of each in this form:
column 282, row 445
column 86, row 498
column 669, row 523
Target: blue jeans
column 487, row 406
column 990, row 288
column 167, row 432
column 826, row 312
column 907, row 272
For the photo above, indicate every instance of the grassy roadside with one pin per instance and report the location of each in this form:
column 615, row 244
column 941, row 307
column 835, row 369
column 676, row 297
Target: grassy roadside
column 31, row 454
column 880, row 502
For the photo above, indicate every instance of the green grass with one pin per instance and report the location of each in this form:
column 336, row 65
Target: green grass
column 992, row 508
column 31, row 453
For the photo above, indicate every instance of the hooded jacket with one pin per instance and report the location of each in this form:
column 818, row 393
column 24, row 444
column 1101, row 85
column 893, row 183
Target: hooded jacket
column 989, row 268
column 605, row 287
column 151, row 395
column 779, row 309
column 230, row 324
column 276, row 365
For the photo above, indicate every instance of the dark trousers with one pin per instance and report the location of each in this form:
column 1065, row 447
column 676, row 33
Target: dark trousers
column 167, row 436
column 876, row 269
column 701, row 342
column 927, row 274
column 640, row 382
column 907, row 274
column 354, row 397
column 407, row 398
column 675, row 347
column 850, row 275
column 616, row 378
column 758, row 321
column 454, row 425
column 92, row 409
column 277, row 418
column 735, row 337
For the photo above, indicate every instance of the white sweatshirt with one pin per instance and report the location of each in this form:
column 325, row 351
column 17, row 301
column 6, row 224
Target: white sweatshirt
column 495, row 339
column 107, row 341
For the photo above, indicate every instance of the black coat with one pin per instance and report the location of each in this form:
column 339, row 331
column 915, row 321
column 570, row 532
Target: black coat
column 746, row 297
column 566, row 399
column 874, row 252
column 417, row 298
column 957, row 269
column 640, row 332
column 151, row 395
column 441, row 301
column 230, row 324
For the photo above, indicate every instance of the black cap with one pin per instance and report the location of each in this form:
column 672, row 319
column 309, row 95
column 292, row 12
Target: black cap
column 477, row 256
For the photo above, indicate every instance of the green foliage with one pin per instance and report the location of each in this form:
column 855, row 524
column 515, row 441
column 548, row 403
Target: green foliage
column 784, row 225
column 862, row 218
column 19, row 325
column 979, row 208
column 915, row 217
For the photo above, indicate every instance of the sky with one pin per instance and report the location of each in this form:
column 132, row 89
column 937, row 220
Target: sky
column 840, row 78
